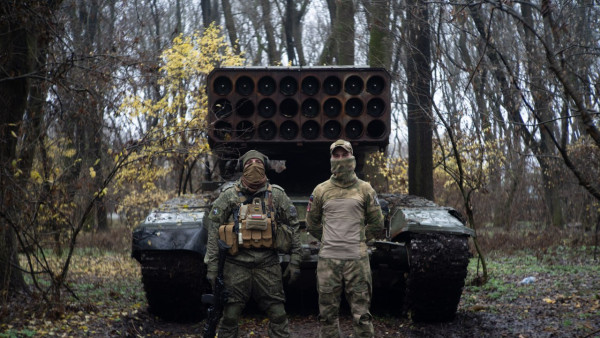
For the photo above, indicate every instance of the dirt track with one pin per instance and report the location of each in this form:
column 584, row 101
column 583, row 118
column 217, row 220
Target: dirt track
column 466, row 324
column 562, row 301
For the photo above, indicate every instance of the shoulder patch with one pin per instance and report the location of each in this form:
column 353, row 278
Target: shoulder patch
column 227, row 185
column 293, row 211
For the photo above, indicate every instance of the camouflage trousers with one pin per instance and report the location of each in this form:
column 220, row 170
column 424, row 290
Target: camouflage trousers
column 354, row 276
column 264, row 285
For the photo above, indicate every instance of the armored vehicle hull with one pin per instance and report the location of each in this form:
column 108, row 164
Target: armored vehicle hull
column 170, row 245
column 419, row 268
column 427, row 248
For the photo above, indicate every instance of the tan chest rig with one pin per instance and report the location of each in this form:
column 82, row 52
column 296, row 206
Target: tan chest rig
column 253, row 223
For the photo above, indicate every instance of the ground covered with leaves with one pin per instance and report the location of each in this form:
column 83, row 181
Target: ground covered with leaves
column 531, row 293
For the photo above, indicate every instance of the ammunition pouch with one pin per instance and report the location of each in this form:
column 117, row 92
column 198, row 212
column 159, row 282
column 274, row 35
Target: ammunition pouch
column 257, row 238
column 256, row 227
column 230, row 237
column 252, row 216
column 254, row 231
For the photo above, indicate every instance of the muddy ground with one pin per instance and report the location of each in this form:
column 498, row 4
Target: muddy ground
column 508, row 322
column 556, row 304
column 562, row 301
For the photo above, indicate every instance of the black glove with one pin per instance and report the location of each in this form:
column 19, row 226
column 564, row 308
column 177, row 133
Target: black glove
column 292, row 272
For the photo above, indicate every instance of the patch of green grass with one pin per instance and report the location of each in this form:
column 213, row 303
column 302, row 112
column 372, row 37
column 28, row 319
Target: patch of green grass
column 506, row 271
column 588, row 315
column 499, row 289
column 525, row 264
column 567, row 323
column 18, row 333
column 96, row 277
column 42, row 280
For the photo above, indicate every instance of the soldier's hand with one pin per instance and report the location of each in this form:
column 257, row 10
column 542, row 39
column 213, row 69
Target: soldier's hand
column 210, row 276
column 292, row 272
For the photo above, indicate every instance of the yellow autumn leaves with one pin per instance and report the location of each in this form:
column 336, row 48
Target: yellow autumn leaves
column 175, row 122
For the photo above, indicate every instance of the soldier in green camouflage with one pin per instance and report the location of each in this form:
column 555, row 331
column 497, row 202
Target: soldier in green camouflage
column 253, row 272
column 344, row 213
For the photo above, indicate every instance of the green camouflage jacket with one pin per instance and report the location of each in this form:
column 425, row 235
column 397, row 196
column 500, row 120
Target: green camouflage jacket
column 222, row 212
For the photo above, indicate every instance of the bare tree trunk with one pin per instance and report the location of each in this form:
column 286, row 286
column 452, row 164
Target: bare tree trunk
column 24, row 34
column 330, row 46
column 96, row 154
column 379, row 44
column 10, row 275
column 230, row 25
column 91, row 128
column 503, row 217
column 272, row 54
column 293, row 33
column 153, row 66
column 378, row 19
column 419, row 105
column 542, row 100
column 206, row 13
column 13, row 101
column 95, row 133
column 288, row 24
column 210, row 12
column 344, row 32
column 298, row 32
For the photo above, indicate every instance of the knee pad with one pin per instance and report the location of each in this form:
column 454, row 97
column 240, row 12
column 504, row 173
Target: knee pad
column 276, row 313
column 231, row 313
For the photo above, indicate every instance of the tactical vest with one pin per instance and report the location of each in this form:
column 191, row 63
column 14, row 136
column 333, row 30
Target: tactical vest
column 253, row 223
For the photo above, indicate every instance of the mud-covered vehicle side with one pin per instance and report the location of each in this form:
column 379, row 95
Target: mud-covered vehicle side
column 421, row 265
column 170, row 245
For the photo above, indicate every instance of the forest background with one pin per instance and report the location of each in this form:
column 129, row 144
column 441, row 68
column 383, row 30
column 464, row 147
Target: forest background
column 103, row 108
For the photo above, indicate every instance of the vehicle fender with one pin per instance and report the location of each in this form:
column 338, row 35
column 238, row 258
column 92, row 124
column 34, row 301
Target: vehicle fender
column 182, row 238
column 425, row 220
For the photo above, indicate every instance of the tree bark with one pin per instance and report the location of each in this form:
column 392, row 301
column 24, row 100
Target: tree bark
column 210, row 12
column 230, row 25
column 419, row 106
column 298, row 32
column 272, row 54
column 344, row 32
column 14, row 86
column 542, row 100
column 24, row 33
column 330, row 46
column 293, row 33
column 288, row 24
column 379, row 42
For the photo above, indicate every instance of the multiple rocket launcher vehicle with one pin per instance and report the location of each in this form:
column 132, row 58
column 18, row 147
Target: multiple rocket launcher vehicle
column 292, row 115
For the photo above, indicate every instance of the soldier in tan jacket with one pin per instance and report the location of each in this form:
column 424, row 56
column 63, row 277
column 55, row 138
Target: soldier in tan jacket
column 344, row 213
